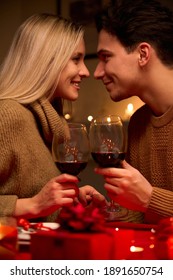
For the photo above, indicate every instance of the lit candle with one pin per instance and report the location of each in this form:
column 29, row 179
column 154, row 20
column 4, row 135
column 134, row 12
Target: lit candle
column 129, row 111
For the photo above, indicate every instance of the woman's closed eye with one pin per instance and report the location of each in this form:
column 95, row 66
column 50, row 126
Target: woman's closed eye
column 77, row 58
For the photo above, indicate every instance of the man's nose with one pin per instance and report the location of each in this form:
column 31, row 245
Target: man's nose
column 99, row 72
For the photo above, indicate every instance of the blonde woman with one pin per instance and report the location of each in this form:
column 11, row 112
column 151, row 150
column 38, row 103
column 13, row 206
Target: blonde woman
column 45, row 65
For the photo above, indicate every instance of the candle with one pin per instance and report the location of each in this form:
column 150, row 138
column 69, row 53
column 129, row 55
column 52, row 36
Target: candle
column 129, row 111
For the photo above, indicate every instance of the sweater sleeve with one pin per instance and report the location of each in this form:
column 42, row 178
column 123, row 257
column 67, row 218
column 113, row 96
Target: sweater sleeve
column 7, row 204
column 26, row 163
column 10, row 133
column 160, row 206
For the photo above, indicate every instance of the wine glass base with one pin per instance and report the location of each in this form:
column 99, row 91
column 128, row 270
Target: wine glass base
column 116, row 213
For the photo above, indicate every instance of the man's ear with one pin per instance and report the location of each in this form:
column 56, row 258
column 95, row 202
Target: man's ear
column 144, row 50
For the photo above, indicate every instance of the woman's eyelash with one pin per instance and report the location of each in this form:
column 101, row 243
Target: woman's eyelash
column 76, row 58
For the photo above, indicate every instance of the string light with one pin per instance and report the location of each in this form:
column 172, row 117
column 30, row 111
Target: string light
column 67, row 116
column 90, row 118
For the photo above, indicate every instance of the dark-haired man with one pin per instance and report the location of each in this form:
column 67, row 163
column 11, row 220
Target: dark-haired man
column 136, row 59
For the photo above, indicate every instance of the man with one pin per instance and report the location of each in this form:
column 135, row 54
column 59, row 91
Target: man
column 135, row 51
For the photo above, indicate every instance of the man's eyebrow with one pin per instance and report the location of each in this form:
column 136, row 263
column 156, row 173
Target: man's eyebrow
column 102, row 51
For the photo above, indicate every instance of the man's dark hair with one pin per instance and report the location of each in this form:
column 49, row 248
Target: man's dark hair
column 136, row 21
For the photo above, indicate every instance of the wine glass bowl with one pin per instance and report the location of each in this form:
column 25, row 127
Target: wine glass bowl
column 71, row 152
column 107, row 144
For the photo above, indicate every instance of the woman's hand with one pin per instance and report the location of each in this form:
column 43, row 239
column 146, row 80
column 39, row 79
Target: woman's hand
column 58, row 192
column 90, row 197
column 127, row 186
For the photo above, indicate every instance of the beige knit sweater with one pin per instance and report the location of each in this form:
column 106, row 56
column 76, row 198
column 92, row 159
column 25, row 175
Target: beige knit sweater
column 151, row 152
column 26, row 163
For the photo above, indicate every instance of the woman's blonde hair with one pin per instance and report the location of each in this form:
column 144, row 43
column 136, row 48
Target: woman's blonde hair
column 40, row 50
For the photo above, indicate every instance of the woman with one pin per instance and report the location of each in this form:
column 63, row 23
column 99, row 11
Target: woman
column 45, row 64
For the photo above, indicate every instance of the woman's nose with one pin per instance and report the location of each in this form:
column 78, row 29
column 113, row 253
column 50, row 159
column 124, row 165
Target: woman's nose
column 84, row 72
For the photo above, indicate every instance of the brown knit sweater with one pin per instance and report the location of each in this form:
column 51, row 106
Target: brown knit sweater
column 26, row 164
column 151, row 152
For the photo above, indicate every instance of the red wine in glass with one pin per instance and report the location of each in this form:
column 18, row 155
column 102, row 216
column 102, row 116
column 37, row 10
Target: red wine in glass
column 71, row 167
column 108, row 159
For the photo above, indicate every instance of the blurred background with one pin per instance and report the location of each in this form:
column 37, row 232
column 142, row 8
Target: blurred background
column 93, row 99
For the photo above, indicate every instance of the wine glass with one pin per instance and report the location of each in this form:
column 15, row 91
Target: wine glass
column 107, row 144
column 71, row 153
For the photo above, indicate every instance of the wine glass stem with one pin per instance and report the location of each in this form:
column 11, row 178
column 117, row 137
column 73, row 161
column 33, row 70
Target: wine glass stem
column 114, row 207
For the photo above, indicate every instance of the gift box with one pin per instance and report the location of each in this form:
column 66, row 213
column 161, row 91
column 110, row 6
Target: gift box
column 67, row 245
column 84, row 235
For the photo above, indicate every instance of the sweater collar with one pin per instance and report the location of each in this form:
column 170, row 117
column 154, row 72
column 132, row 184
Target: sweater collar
column 48, row 120
column 163, row 119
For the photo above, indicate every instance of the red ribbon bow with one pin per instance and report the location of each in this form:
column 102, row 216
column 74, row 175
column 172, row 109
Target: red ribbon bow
column 79, row 218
